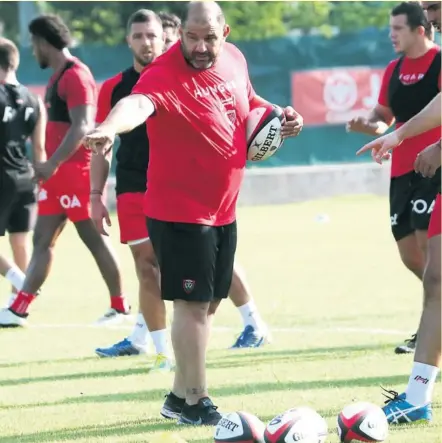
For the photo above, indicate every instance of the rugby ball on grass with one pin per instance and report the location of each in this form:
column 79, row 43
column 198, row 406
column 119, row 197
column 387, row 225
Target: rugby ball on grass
column 239, row 427
column 263, row 129
column 362, row 422
column 300, row 425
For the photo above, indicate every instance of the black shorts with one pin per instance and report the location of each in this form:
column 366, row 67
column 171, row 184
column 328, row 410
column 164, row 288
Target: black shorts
column 412, row 199
column 18, row 205
column 196, row 261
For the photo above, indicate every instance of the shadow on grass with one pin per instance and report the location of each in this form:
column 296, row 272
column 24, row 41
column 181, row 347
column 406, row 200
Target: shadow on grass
column 126, row 428
column 234, row 359
column 19, row 364
column 94, row 431
column 225, row 391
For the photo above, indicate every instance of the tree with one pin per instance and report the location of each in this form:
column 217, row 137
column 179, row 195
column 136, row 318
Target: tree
column 104, row 22
column 354, row 16
column 9, row 20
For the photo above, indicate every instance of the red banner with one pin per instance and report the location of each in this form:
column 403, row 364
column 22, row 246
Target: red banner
column 334, row 96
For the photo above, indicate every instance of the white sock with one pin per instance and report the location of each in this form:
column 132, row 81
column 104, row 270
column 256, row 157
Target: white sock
column 16, row 277
column 11, row 299
column 159, row 339
column 140, row 334
column 421, row 384
column 250, row 316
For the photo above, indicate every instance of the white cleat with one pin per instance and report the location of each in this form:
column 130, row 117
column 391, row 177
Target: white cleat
column 113, row 317
column 10, row 320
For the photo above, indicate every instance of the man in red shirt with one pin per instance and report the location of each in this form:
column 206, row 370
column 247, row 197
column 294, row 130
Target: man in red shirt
column 64, row 194
column 145, row 39
column 197, row 97
column 415, row 403
column 409, row 84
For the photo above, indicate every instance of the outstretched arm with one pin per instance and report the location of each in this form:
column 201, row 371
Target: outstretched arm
column 127, row 114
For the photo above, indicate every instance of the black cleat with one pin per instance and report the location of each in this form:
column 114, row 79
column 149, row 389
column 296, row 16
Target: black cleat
column 204, row 413
column 408, row 347
column 172, row 407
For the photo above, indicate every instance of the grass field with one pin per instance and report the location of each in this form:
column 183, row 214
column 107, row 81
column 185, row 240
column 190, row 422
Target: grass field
column 334, row 292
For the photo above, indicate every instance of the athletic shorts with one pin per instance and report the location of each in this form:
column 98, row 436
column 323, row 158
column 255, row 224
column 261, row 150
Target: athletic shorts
column 434, row 228
column 195, row 261
column 412, row 199
column 67, row 193
column 18, row 205
column 131, row 218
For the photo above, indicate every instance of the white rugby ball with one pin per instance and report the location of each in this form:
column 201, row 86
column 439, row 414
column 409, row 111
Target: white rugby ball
column 263, row 128
column 300, row 425
column 362, row 422
column 239, row 427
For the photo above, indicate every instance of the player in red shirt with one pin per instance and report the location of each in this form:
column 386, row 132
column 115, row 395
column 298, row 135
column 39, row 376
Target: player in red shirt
column 145, row 41
column 409, row 84
column 64, row 194
column 197, row 97
column 415, row 403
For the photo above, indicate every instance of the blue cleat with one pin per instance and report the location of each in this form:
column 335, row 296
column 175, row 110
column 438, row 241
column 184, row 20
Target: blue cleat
column 250, row 338
column 121, row 349
column 399, row 411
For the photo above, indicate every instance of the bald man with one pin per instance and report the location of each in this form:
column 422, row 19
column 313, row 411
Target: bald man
column 201, row 95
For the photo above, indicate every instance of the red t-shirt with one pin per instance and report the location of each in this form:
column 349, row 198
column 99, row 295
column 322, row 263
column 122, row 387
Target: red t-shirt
column 197, row 136
column 412, row 70
column 76, row 87
column 104, row 105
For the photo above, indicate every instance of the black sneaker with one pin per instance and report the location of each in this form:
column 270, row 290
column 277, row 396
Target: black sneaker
column 173, row 406
column 408, row 347
column 202, row 414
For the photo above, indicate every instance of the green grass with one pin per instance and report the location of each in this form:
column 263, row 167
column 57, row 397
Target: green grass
column 317, row 277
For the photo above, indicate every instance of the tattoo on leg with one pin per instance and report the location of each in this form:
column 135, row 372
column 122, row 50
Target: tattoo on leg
column 196, row 391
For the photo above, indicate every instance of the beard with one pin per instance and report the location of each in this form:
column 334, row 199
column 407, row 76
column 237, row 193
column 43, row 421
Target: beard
column 192, row 59
column 143, row 61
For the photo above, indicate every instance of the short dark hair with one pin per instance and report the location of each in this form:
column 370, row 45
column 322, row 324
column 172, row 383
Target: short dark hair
column 9, row 55
column 169, row 20
column 53, row 29
column 415, row 16
column 142, row 16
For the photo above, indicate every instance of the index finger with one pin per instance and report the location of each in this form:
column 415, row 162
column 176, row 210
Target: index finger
column 367, row 147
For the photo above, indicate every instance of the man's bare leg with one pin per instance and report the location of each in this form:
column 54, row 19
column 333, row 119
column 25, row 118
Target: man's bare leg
column 415, row 403
column 412, row 250
column 47, row 230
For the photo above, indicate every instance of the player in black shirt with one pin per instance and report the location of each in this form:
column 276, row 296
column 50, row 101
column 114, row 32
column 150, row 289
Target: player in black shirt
column 22, row 116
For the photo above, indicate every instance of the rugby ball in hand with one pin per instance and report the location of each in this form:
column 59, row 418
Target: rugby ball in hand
column 263, row 129
column 239, row 427
column 362, row 422
column 300, row 425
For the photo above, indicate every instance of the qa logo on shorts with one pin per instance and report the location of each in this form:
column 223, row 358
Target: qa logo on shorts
column 188, row 286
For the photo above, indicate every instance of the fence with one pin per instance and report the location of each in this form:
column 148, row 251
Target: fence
column 328, row 80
